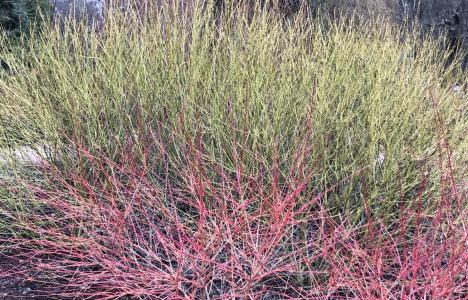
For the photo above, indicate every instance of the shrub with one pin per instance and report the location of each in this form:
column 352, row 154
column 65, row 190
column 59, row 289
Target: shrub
column 248, row 156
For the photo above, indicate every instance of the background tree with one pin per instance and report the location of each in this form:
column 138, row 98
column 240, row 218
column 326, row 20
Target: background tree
column 17, row 16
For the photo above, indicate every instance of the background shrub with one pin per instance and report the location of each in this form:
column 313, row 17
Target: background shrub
column 17, row 16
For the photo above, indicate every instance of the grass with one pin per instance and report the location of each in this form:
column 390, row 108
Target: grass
column 240, row 133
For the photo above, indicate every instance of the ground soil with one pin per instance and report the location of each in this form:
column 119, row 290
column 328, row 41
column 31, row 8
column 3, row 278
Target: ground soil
column 15, row 287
